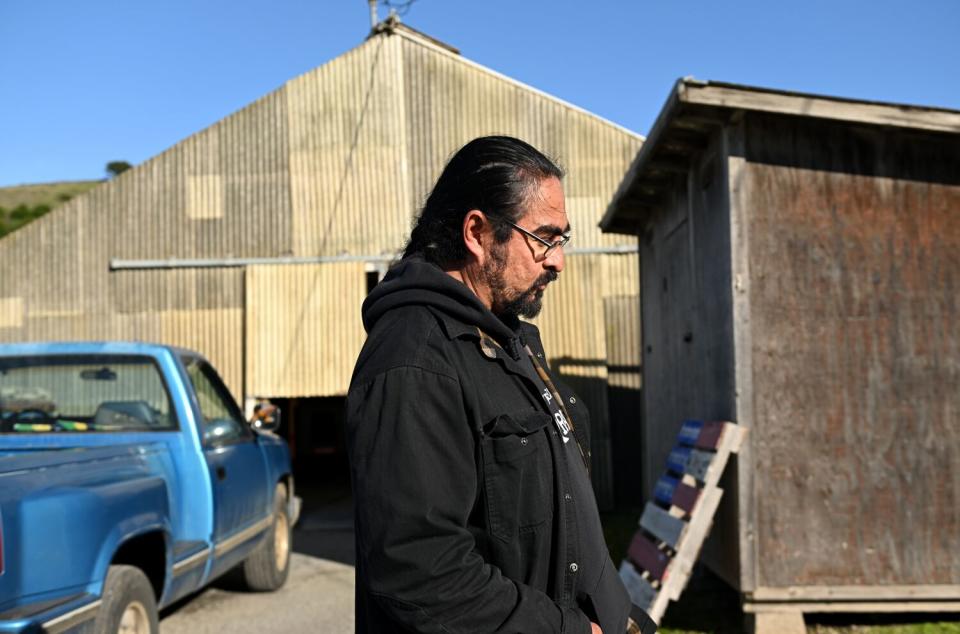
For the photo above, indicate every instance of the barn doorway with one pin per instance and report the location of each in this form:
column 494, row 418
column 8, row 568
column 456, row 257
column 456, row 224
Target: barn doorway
column 314, row 429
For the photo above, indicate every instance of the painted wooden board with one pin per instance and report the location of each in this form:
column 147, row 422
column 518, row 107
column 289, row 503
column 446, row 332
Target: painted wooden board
column 662, row 525
column 698, row 463
column 664, row 490
column 709, row 437
column 646, row 556
column 694, row 496
column 689, row 550
column 689, row 432
column 677, row 460
column 641, row 592
column 685, row 496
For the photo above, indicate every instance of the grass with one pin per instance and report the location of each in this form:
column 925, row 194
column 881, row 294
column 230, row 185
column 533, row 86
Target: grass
column 710, row 606
column 51, row 194
column 21, row 204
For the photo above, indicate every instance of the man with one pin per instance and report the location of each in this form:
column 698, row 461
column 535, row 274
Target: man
column 474, row 511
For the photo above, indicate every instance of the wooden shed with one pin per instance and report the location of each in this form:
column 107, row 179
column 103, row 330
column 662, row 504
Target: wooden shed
column 256, row 239
column 800, row 275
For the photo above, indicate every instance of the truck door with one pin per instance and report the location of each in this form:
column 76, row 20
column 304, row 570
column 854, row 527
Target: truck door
column 237, row 467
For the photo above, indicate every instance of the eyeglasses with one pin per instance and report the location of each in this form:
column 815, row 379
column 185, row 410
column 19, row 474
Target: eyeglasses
column 551, row 246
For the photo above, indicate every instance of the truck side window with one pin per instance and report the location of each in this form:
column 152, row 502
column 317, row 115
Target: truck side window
column 222, row 421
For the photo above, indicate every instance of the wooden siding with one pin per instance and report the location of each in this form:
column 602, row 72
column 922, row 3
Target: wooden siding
column 799, row 277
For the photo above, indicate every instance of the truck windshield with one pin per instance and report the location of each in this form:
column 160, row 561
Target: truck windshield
column 83, row 393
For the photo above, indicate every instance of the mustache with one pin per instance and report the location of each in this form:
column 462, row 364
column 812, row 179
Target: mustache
column 549, row 276
column 546, row 278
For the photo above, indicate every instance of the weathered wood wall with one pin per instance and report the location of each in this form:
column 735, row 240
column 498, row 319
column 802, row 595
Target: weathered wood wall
column 687, row 331
column 801, row 278
column 854, row 243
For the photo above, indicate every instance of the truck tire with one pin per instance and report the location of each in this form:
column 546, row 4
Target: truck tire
column 129, row 605
column 267, row 567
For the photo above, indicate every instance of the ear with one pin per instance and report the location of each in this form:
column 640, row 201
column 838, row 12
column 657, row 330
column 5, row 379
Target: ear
column 477, row 235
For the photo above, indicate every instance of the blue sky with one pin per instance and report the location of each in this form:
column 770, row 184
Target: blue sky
column 86, row 82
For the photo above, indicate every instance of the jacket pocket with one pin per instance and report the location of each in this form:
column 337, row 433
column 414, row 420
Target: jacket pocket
column 517, row 472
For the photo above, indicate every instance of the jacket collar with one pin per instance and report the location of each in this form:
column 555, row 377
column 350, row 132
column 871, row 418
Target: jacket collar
column 510, row 354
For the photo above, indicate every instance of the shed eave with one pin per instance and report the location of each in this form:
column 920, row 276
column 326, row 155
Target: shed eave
column 695, row 106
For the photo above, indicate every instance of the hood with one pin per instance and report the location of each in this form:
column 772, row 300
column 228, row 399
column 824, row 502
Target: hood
column 414, row 282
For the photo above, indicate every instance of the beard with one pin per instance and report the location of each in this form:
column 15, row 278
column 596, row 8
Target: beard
column 509, row 304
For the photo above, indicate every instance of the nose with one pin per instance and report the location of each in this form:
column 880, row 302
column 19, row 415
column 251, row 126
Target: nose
column 555, row 260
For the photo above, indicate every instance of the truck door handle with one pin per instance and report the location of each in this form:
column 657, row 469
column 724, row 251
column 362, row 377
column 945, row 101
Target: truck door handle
column 221, row 473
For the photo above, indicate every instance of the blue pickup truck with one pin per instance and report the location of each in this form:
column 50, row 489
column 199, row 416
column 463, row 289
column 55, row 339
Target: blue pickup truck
column 128, row 479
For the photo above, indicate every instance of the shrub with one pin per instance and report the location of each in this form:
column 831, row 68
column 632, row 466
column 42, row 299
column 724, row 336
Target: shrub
column 20, row 212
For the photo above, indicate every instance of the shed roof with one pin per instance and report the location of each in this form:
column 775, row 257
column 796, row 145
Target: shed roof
column 694, row 107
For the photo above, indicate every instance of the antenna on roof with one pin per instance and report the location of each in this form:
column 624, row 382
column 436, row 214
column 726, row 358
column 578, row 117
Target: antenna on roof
column 374, row 18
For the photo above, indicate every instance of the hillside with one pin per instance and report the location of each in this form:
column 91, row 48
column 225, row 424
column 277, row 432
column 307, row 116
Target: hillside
column 20, row 204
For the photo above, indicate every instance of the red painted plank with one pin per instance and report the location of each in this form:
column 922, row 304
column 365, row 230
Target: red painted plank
column 685, row 497
column 646, row 555
column 709, row 437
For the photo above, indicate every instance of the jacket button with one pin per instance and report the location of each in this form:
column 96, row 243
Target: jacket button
column 572, row 400
column 567, row 497
column 574, row 567
column 523, row 441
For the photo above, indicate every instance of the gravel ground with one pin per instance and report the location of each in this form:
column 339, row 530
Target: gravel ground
column 318, row 597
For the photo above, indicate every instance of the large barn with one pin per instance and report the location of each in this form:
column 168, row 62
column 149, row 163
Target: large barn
column 255, row 240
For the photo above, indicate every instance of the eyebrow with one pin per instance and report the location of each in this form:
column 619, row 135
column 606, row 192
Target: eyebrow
column 552, row 230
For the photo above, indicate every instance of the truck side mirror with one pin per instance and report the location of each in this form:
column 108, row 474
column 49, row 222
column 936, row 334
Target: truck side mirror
column 266, row 417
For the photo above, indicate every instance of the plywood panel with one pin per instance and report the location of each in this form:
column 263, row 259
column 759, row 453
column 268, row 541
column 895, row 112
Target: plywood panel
column 855, row 374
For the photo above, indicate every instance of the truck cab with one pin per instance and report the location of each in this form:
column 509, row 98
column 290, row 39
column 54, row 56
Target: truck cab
column 128, row 479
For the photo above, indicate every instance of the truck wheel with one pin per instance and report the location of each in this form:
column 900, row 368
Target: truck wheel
column 268, row 565
column 129, row 605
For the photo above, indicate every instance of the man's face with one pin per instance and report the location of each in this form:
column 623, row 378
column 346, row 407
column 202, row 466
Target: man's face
column 517, row 271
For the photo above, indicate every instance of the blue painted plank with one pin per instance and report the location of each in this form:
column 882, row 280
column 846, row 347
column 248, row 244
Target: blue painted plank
column 662, row 525
column 663, row 491
column 641, row 592
column 698, row 462
column 689, row 432
column 677, row 460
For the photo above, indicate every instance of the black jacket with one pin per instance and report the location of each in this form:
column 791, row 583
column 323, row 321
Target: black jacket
column 472, row 515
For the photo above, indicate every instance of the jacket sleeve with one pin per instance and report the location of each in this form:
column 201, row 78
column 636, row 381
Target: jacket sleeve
column 413, row 458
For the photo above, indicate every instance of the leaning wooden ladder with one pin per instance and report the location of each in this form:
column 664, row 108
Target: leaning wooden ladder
column 676, row 522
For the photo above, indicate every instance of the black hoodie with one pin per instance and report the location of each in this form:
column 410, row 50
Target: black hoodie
column 414, row 282
column 471, row 514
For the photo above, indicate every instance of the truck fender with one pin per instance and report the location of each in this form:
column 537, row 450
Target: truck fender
column 140, row 507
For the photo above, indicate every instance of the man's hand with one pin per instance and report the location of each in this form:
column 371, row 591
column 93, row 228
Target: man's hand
column 595, row 629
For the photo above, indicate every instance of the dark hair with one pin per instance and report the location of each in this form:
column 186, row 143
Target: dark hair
column 495, row 174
